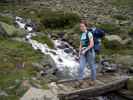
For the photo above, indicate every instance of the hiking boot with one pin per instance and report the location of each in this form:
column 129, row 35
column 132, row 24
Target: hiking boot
column 92, row 83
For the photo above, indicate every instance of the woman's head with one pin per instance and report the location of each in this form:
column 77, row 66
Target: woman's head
column 83, row 25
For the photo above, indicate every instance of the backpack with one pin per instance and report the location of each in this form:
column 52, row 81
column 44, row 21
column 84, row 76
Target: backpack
column 97, row 35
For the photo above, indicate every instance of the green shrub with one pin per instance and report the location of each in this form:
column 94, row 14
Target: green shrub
column 112, row 45
column 109, row 28
column 59, row 20
column 6, row 19
column 44, row 39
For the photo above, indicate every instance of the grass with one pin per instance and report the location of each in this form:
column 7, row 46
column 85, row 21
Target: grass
column 13, row 55
column 6, row 19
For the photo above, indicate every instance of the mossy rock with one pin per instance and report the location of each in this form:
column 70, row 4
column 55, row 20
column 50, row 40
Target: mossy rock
column 12, row 31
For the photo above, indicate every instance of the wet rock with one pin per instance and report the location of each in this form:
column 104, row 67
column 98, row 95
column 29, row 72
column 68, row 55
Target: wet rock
column 61, row 34
column 68, row 50
column 130, row 70
column 62, row 46
column 53, row 52
column 107, row 66
column 60, row 60
column 105, row 63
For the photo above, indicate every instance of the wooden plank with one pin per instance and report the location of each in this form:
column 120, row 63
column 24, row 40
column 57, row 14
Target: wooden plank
column 95, row 91
column 70, row 80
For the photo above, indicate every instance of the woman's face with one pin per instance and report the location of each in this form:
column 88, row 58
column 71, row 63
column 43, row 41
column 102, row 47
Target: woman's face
column 83, row 28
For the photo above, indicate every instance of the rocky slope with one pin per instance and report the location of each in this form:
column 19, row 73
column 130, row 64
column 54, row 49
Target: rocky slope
column 97, row 11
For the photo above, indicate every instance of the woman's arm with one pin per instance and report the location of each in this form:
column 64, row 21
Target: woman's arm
column 91, row 44
column 80, row 47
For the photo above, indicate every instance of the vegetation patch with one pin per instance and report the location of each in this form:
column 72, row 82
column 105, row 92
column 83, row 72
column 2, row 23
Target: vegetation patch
column 44, row 39
column 16, row 60
column 110, row 28
column 6, row 19
column 123, row 3
column 57, row 20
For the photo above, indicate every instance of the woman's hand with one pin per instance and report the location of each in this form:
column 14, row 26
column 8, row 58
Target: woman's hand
column 85, row 50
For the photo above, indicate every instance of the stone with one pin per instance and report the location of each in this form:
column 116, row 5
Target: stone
column 3, row 93
column 68, row 50
column 47, row 60
column 62, row 46
column 113, row 37
column 39, row 94
column 37, row 66
column 130, row 70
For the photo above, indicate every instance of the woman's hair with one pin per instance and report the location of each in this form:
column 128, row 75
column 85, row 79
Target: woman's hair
column 83, row 21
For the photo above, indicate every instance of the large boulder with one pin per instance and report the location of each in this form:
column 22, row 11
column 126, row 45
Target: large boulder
column 117, row 38
column 114, row 38
column 39, row 94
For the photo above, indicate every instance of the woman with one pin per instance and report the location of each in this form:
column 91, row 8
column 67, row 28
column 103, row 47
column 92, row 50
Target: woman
column 86, row 52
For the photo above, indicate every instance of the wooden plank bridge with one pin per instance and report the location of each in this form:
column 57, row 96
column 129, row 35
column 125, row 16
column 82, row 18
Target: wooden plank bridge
column 71, row 90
